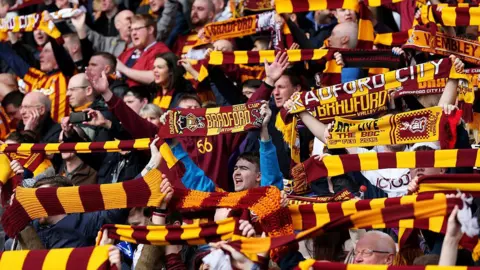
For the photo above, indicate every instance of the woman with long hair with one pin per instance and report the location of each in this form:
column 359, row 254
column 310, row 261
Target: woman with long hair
column 169, row 80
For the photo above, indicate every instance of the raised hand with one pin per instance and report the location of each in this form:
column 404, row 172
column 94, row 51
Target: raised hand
column 100, row 84
column 275, row 70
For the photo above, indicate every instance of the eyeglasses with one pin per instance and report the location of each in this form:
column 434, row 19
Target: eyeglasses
column 368, row 252
column 77, row 87
column 138, row 28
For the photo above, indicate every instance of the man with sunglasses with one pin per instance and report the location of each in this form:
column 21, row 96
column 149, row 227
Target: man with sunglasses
column 375, row 247
column 137, row 63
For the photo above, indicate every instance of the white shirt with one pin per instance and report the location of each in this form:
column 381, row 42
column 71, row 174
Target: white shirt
column 394, row 182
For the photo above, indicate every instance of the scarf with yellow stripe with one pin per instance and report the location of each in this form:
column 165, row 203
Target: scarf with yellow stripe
column 451, row 15
column 426, row 125
column 190, row 234
column 395, row 39
column 293, row 6
column 312, row 170
column 29, row 23
column 428, row 39
column 163, row 100
column 63, row 258
column 211, row 121
column 403, row 215
column 449, row 183
column 33, row 203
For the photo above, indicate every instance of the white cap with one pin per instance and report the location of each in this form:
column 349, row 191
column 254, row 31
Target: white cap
column 433, row 145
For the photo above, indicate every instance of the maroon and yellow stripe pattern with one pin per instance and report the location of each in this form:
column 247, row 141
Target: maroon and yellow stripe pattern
column 33, row 203
column 91, row 258
column 395, row 39
column 191, row 234
column 292, row 6
column 317, row 265
column 450, row 183
column 312, row 169
column 457, row 15
column 54, row 86
column 81, row 147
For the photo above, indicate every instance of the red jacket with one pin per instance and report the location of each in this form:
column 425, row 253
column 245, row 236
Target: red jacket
column 210, row 153
column 145, row 62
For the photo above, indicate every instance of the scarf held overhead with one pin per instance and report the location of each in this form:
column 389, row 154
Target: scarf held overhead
column 458, row 15
column 426, row 125
column 95, row 258
column 312, row 169
column 449, row 183
column 429, row 40
column 369, row 95
column 33, row 203
column 212, row 121
column 317, row 265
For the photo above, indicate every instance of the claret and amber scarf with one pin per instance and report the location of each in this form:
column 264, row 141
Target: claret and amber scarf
column 29, row 23
column 190, row 234
column 426, row 125
column 450, row 183
column 395, row 39
column 312, row 169
column 428, row 39
column 455, row 15
column 212, row 121
column 33, row 203
column 370, row 95
column 385, row 217
column 61, row 258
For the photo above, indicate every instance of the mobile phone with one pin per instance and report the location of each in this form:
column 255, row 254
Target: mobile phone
column 79, row 117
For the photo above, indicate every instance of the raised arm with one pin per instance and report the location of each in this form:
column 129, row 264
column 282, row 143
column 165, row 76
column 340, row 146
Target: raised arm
column 449, row 95
column 269, row 167
column 165, row 23
column 15, row 62
column 141, row 76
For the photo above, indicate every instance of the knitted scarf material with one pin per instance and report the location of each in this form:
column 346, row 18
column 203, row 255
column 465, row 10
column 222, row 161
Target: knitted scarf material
column 426, row 125
column 79, row 147
column 369, row 95
column 293, row 6
column 312, row 170
column 33, row 203
column 341, row 196
column 211, row 121
column 29, row 23
column 457, row 15
column 63, row 258
column 395, row 39
column 191, row 234
column 388, row 216
column 449, row 183
column 428, row 39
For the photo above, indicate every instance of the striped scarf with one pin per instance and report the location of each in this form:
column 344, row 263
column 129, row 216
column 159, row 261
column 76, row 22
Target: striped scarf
column 163, row 101
column 427, row 39
column 386, row 217
column 365, row 27
column 29, row 23
column 263, row 202
column 341, row 196
column 426, row 125
column 294, row 6
column 449, row 183
column 395, row 39
column 458, row 15
column 211, row 121
column 33, row 203
column 311, row 264
column 312, row 170
column 191, row 234
column 80, row 147
column 63, row 258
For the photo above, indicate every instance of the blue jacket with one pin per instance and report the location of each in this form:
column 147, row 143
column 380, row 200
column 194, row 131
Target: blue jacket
column 195, row 178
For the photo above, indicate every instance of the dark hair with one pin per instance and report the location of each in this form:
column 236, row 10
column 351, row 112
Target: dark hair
column 329, row 246
column 344, row 181
column 139, row 92
column 423, row 148
column 15, row 98
column 294, row 78
column 25, row 136
column 149, row 21
column 54, row 181
column 176, row 71
column 252, row 157
column 187, row 96
column 111, row 59
column 252, row 83
column 262, row 39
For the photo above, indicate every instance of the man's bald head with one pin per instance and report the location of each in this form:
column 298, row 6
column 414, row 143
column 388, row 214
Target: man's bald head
column 80, row 91
column 203, row 12
column 35, row 102
column 344, row 36
column 375, row 247
column 122, row 22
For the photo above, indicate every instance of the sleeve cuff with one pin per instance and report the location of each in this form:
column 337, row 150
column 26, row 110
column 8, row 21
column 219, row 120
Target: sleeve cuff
column 266, row 145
